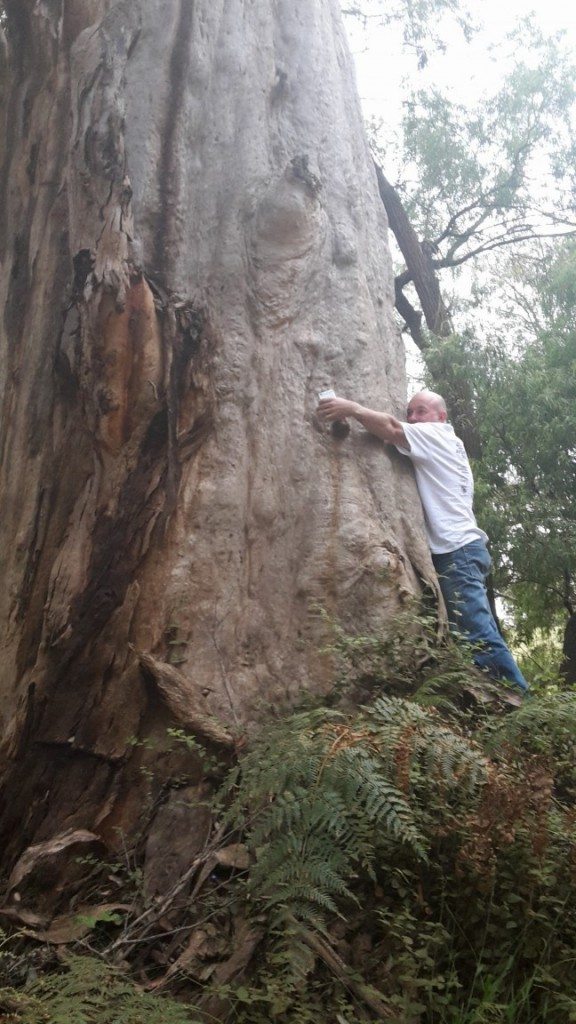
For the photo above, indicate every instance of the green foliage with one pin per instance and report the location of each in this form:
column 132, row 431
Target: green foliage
column 421, row 662
column 526, row 479
column 402, row 864
column 328, row 794
column 269, row 998
column 543, row 727
column 476, row 181
column 523, row 378
column 211, row 765
column 321, row 796
column 418, row 19
column 539, row 656
column 478, row 178
column 90, row 992
column 440, row 861
column 101, row 917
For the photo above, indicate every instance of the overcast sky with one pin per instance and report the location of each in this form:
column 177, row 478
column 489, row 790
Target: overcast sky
column 467, row 68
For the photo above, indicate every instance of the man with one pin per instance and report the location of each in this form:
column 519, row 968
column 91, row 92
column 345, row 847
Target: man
column 446, row 488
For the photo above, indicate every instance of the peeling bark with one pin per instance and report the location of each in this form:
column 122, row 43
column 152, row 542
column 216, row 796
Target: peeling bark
column 191, row 247
column 185, row 701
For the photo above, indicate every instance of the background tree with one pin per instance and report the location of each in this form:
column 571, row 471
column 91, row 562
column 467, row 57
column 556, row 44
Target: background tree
column 422, row 22
column 527, row 473
column 474, row 180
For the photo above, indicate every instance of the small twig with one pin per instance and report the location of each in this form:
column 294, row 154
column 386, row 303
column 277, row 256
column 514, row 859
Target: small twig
column 367, row 993
column 154, row 913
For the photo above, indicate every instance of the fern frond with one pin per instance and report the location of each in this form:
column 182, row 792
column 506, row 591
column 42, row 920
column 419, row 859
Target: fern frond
column 92, row 992
column 540, row 724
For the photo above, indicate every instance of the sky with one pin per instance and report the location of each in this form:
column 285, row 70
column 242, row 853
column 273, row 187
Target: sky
column 468, row 68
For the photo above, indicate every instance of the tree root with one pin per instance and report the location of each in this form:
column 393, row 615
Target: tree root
column 183, row 699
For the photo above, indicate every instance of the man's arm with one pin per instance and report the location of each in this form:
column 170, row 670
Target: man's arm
column 381, row 424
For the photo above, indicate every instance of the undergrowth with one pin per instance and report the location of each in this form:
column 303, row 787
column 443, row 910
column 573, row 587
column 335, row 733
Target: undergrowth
column 441, row 866
column 405, row 860
column 88, row 991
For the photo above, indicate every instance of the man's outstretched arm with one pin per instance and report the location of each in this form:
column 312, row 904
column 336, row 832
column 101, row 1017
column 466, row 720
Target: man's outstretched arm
column 381, row 424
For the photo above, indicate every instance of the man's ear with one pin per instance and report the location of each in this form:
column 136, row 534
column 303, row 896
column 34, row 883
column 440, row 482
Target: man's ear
column 443, row 416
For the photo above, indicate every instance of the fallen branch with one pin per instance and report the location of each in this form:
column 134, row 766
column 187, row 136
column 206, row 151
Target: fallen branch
column 367, row 993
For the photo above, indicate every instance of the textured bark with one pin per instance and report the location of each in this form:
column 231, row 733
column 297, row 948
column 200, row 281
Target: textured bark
column 192, row 246
column 420, row 270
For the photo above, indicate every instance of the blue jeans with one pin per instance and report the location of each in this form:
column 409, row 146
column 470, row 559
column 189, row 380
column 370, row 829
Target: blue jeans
column 462, row 576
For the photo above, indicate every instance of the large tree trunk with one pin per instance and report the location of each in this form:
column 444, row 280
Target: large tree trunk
column 192, row 245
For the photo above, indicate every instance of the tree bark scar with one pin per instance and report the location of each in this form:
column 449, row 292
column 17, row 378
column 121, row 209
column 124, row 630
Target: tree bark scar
column 126, row 358
column 34, row 551
column 19, row 289
column 168, row 173
column 188, row 326
column 149, row 492
column 30, row 716
column 121, row 541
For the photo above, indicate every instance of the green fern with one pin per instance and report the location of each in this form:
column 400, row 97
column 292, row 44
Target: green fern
column 92, row 992
column 546, row 725
column 322, row 795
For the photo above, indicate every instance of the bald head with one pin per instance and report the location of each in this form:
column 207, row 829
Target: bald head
column 427, row 407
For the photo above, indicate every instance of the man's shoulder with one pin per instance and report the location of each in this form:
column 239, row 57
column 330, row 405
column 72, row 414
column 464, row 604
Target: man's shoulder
column 440, row 433
column 429, row 442
column 434, row 427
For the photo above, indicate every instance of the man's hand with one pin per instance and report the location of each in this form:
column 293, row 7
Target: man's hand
column 331, row 409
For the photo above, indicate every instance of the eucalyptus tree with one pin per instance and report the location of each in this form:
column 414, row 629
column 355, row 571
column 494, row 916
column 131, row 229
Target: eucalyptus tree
column 192, row 245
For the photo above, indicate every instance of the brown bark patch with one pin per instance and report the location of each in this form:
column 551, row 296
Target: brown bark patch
column 126, row 363
column 177, row 835
column 185, row 701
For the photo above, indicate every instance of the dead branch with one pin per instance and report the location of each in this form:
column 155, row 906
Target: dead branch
column 139, row 928
column 367, row 993
column 418, row 259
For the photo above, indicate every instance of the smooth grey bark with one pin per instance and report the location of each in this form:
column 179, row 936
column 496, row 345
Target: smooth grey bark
column 192, row 245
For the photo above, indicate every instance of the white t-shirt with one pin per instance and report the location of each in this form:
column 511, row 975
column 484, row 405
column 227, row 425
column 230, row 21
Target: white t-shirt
column 445, row 484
